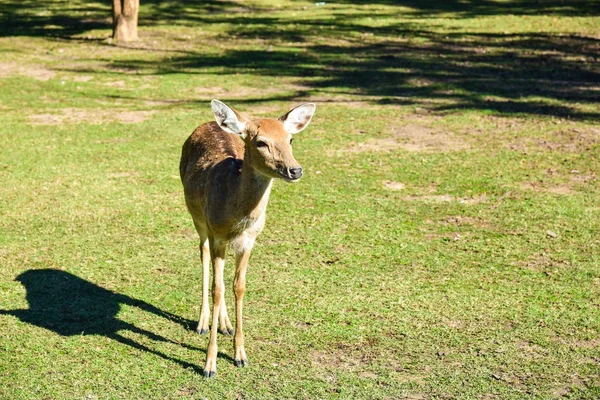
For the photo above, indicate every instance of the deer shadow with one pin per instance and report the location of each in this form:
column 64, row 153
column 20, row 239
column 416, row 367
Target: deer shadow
column 68, row 305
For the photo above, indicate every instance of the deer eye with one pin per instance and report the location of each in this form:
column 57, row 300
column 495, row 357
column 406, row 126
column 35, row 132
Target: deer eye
column 260, row 143
column 291, row 140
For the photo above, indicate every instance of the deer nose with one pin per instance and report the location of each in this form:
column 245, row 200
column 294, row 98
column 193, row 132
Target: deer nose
column 295, row 173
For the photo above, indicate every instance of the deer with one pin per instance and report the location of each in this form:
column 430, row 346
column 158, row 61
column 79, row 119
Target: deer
column 227, row 169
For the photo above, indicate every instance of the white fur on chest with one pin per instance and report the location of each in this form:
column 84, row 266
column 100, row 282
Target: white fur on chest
column 249, row 229
column 251, row 225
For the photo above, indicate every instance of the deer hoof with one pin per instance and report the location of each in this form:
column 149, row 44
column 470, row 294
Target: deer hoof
column 209, row 374
column 241, row 363
column 226, row 331
column 202, row 331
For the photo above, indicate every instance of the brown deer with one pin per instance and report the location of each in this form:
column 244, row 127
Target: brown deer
column 227, row 169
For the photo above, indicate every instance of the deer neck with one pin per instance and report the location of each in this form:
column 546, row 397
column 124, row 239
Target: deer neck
column 254, row 192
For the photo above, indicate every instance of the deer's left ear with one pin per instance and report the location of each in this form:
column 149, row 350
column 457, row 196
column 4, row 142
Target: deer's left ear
column 298, row 118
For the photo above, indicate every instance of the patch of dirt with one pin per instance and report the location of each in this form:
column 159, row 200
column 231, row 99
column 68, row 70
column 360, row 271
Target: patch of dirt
column 581, row 344
column 337, row 359
column 9, row 68
column 239, row 92
column 133, row 117
column 367, row 374
column 482, row 198
column 569, row 140
column 303, row 325
column 412, row 137
column 93, row 116
column 187, row 392
column 210, row 90
column 452, row 323
column 565, row 391
column 571, row 181
column 438, row 198
column 392, row 185
column 117, row 84
column 576, row 177
column 532, row 350
column 510, row 379
column 449, row 237
column 460, row 220
column 443, row 198
column 83, row 78
column 356, row 357
column 544, row 263
column 537, row 187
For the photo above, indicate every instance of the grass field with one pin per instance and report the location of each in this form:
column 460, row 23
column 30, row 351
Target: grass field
column 444, row 243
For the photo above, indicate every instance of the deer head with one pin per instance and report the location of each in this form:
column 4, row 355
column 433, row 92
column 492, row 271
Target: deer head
column 268, row 141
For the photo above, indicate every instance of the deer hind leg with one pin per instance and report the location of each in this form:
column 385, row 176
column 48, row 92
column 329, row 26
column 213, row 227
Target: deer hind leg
column 218, row 259
column 239, row 287
column 205, row 310
column 202, row 327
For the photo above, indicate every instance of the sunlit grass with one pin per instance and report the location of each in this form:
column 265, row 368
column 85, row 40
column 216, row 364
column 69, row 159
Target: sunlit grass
column 443, row 243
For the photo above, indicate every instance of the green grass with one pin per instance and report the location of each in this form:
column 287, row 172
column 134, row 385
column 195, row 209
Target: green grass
column 416, row 259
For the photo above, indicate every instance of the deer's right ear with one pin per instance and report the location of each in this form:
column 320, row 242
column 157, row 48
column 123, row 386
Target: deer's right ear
column 228, row 119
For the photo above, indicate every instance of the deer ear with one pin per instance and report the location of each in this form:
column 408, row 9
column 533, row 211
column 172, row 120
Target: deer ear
column 228, row 119
column 298, row 118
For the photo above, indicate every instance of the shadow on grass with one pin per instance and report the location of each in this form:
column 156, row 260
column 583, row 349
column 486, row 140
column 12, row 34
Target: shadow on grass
column 471, row 8
column 71, row 17
column 399, row 60
column 70, row 306
column 535, row 74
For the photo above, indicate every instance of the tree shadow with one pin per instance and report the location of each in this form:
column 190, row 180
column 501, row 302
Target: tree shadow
column 66, row 18
column 402, row 59
column 70, row 306
column 471, row 8
column 52, row 18
column 537, row 74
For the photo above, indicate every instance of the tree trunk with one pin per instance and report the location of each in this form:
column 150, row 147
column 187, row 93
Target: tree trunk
column 125, row 20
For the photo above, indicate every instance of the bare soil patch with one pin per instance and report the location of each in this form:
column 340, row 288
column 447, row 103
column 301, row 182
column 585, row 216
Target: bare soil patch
column 544, row 263
column 337, row 359
column 571, row 182
column 9, row 68
column 83, row 78
column 461, row 220
column 451, row 323
column 438, row 198
column 412, row 137
column 442, row 198
column 537, row 187
column 92, row 116
column 392, row 185
column 239, row 92
column 567, row 140
column 117, row 84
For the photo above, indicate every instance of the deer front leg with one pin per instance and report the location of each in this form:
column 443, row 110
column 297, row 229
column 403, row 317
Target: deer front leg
column 205, row 310
column 218, row 254
column 225, row 327
column 239, row 287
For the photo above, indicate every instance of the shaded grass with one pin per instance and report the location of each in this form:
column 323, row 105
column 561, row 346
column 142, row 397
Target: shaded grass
column 451, row 287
